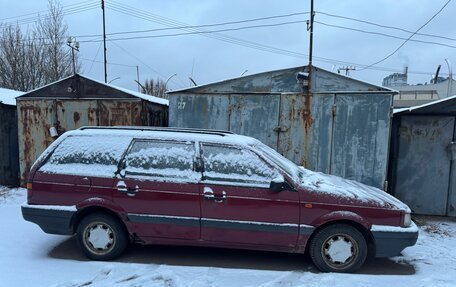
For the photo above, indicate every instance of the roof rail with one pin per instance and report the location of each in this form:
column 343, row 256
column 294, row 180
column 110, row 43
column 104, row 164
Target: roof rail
column 159, row 129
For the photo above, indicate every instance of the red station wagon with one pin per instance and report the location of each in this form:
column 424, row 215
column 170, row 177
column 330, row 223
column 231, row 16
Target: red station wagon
column 114, row 186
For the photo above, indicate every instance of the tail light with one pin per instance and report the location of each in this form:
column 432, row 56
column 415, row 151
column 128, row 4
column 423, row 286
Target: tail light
column 29, row 190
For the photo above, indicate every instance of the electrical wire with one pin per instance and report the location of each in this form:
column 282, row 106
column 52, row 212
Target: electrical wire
column 46, row 11
column 400, row 46
column 199, row 26
column 383, row 34
column 385, row 26
column 197, row 32
column 215, row 34
column 250, row 44
column 142, row 62
column 65, row 12
column 94, row 58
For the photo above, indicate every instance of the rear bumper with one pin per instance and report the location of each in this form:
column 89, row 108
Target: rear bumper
column 51, row 219
column 391, row 240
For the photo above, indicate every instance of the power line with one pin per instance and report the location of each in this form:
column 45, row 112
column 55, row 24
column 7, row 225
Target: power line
column 197, row 32
column 94, row 58
column 172, row 24
column 35, row 13
column 383, row 34
column 200, row 26
column 169, row 22
column 400, row 46
column 221, row 37
column 65, row 12
column 142, row 62
column 109, row 63
column 385, row 26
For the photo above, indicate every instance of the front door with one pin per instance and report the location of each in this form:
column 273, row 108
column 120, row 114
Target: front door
column 158, row 188
column 237, row 205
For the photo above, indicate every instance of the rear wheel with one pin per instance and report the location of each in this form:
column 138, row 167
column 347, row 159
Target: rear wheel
column 101, row 237
column 338, row 248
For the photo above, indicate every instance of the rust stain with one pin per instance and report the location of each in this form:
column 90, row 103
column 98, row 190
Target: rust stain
column 76, row 117
column 306, row 114
column 91, row 116
column 308, row 121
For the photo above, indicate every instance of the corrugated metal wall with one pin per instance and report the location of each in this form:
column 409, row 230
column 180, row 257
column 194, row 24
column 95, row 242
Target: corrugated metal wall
column 37, row 116
column 424, row 171
column 338, row 133
column 9, row 153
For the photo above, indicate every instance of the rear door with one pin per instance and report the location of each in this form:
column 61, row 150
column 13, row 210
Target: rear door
column 159, row 189
column 238, row 206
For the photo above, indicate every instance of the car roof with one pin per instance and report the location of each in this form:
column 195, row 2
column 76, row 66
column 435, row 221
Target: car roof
column 161, row 133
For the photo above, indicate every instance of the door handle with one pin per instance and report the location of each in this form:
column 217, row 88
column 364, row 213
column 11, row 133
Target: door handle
column 133, row 191
column 208, row 195
column 122, row 188
column 221, row 198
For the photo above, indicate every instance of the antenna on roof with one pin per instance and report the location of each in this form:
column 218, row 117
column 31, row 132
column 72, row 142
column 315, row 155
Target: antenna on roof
column 193, row 82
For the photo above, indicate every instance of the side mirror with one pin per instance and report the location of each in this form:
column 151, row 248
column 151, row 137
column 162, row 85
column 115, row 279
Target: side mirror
column 277, row 184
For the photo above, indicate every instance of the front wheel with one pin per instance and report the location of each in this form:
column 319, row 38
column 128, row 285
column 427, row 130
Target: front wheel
column 338, row 248
column 101, row 237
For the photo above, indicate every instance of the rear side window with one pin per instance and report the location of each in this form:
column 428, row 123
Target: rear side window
column 235, row 165
column 161, row 159
column 87, row 155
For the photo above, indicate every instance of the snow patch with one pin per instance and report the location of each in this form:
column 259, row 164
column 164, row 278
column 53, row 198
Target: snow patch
column 12, row 196
column 386, row 228
column 8, row 96
column 340, row 187
column 87, row 155
column 25, row 247
column 71, row 208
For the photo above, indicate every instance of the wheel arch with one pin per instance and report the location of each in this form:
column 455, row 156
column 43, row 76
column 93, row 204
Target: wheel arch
column 86, row 211
column 370, row 241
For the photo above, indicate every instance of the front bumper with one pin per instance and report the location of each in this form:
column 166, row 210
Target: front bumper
column 391, row 240
column 51, row 219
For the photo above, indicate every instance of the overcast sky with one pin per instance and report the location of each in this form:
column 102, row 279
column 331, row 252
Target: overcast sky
column 206, row 59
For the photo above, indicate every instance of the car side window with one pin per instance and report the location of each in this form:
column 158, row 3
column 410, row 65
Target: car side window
column 236, row 166
column 87, row 156
column 162, row 159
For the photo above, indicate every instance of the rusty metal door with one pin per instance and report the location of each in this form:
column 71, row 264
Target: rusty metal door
column 34, row 121
column 360, row 140
column 199, row 111
column 255, row 116
column 423, row 164
column 75, row 114
column 305, row 129
column 120, row 113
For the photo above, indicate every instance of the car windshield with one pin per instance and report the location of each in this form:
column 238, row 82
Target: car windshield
column 285, row 164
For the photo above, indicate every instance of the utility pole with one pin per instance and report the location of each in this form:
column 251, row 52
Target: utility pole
column 310, row 27
column 104, row 41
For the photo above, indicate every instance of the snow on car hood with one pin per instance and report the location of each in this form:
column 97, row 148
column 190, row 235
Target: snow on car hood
column 352, row 190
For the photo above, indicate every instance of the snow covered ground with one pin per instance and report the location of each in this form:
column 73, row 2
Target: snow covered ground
column 29, row 257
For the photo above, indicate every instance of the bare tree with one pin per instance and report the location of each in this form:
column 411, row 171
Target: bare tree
column 35, row 57
column 155, row 88
column 57, row 56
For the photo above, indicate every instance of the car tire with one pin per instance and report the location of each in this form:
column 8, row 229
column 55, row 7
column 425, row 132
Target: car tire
column 101, row 237
column 338, row 248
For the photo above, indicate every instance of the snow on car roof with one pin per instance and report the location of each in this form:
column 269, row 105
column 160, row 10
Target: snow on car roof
column 168, row 134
